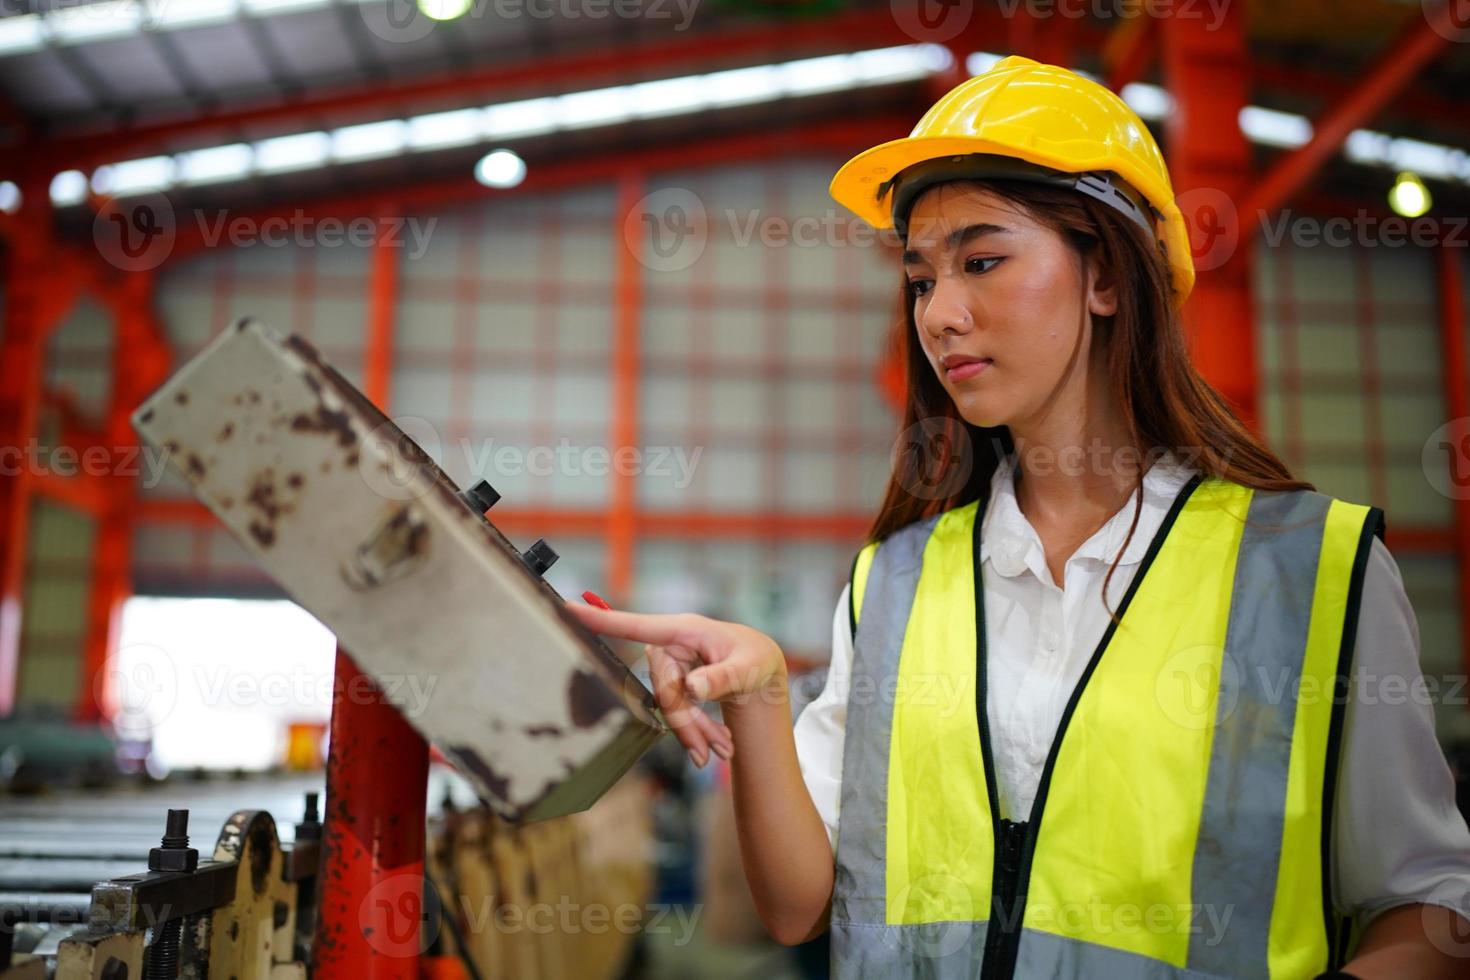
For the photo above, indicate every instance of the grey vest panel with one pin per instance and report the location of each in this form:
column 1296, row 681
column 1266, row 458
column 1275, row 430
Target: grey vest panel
column 1239, row 846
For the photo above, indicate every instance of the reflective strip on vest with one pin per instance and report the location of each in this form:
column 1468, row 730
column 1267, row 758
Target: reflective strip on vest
column 1183, row 821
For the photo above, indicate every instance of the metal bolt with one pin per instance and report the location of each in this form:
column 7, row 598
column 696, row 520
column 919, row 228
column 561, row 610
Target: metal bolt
column 161, row 960
column 310, row 827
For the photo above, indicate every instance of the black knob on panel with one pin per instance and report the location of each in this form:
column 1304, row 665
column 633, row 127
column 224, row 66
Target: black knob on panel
column 539, row 557
column 482, row 496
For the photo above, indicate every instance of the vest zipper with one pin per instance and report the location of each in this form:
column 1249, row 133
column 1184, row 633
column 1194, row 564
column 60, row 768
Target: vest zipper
column 1015, row 843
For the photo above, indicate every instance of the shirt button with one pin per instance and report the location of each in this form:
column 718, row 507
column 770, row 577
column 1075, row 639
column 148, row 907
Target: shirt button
column 1048, row 641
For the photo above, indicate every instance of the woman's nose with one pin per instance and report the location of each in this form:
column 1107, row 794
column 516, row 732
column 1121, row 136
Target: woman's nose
column 947, row 311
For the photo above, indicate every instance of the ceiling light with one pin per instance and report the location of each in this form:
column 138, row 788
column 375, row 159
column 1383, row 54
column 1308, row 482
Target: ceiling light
column 215, row 163
column 21, row 34
column 439, row 129
column 1409, row 196
column 134, row 176
column 500, row 168
column 172, row 14
column 95, row 21
column 445, row 9
column 1270, row 127
column 298, row 152
column 69, row 187
column 369, row 141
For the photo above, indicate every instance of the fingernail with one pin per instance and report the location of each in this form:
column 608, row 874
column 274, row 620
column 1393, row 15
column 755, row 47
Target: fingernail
column 698, row 686
column 593, row 599
column 694, row 758
column 724, row 752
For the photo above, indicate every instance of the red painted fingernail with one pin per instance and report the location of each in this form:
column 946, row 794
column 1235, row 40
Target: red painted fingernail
column 593, row 599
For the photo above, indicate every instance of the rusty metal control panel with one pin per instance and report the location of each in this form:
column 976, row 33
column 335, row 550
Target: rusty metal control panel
column 365, row 531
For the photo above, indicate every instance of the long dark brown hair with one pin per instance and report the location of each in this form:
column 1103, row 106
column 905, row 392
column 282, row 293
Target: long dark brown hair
column 945, row 462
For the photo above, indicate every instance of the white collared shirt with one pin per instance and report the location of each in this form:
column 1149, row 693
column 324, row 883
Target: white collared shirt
column 1397, row 835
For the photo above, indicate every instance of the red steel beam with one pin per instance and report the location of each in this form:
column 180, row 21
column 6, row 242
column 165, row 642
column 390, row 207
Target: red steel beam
column 1208, row 71
column 1130, row 49
column 1394, row 70
column 1451, row 279
column 628, row 239
column 377, row 372
column 590, row 522
column 536, row 75
column 840, row 137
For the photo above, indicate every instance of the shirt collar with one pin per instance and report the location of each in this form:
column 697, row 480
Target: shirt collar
column 1011, row 545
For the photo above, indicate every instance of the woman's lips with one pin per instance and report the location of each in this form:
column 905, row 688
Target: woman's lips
column 968, row 369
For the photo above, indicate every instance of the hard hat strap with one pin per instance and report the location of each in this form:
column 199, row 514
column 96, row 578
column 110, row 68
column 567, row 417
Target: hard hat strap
column 1100, row 185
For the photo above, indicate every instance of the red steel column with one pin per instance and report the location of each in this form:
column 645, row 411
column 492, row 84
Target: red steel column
column 1207, row 70
column 627, row 311
column 372, row 900
column 1451, row 277
column 38, row 289
column 135, row 374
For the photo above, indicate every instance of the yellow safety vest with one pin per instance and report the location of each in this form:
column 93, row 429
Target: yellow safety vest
column 1182, row 823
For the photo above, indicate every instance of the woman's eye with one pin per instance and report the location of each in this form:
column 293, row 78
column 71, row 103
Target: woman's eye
column 918, row 287
column 970, row 264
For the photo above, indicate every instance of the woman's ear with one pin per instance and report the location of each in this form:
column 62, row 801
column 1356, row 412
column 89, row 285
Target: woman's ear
column 1102, row 288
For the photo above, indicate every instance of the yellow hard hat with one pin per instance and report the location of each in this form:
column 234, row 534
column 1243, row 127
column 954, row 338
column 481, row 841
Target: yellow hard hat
column 1025, row 120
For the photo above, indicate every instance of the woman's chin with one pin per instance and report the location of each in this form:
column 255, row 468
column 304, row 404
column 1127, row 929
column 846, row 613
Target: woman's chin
column 982, row 412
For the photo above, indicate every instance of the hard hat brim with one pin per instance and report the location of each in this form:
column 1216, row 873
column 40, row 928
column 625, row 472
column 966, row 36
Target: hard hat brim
column 855, row 186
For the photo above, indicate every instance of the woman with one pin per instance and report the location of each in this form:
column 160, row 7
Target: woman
column 1086, row 715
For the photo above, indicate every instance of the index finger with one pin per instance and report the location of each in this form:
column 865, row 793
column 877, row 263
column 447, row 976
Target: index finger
column 643, row 627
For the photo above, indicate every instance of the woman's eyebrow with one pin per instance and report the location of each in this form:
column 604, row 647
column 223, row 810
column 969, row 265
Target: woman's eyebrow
column 960, row 236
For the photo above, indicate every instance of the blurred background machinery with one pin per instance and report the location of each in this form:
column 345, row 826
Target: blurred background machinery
column 584, row 250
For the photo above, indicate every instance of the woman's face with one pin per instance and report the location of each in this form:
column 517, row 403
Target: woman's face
column 1002, row 305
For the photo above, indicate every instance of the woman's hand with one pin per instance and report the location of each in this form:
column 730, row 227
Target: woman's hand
column 693, row 658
